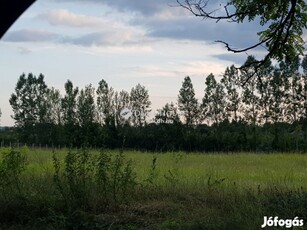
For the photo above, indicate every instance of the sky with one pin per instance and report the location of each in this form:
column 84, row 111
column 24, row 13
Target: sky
column 125, row 42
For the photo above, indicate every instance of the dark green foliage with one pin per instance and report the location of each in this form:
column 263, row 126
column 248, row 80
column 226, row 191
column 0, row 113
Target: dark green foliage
column 93, row 190
column 105, row 104
column 230, row 82
column 85, row 177
column 12, row 165
column 140, row 104
column 115, row 177
column 167, row 115
column 29, row 104
column 153, row 174
column 284, row 23
column 241, row 112
column 213, row 104
column 187, row 103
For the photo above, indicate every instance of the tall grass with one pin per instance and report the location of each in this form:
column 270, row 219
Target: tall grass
column 131, row 190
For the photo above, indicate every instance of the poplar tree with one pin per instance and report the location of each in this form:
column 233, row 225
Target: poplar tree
column 105, row 103
column 121, row 102
column 230, row 81
column 86, row 110
column 140, row 104
column 69, row 104
column 54, row 110
column 187, row 103
column 213, row 104
column 69, row 109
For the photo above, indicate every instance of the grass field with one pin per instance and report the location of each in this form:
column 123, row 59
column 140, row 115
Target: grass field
column 153, row 191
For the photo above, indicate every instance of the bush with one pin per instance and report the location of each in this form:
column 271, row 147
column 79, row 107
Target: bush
column 12, row 165
column 116, row 178
column 91, row 180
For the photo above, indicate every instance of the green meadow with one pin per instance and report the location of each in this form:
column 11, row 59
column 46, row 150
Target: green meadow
column 145, row 190
column 246, row 170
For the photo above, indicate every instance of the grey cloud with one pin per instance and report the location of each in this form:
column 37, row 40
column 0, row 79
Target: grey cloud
column 237, row 59
column 147, row 8
column 181, row 24
column 238, row 35
column 26, row 35
column 91, row 39
column 87, row 40
column 42, row 36
column 144, row 7
column 178, row 27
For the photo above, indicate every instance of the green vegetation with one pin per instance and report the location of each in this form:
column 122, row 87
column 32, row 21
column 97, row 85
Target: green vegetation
column 283, row 22
column 83, row 189
column 267, row 113
column 256, row 109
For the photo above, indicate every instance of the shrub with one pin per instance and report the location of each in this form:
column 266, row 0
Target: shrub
column 88, row 179
column 116, row 178
column 12, row 165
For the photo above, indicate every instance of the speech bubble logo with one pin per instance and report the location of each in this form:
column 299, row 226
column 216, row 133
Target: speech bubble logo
column 126, row 113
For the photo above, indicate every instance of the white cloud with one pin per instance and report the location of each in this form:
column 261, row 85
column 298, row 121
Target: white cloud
column 100, row 31
column 67, row 18
column 203, row 68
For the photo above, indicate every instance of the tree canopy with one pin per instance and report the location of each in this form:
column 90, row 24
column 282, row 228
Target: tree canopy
column 265, row 116
column 284, row 22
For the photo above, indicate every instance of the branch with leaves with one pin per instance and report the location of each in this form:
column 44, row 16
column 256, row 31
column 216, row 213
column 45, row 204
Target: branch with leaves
column 285, row 21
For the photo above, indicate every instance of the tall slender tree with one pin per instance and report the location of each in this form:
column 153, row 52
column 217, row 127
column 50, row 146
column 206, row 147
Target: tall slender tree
column 250, row 96
column 277, row 100
column 213, row 104
column 304, row 90
column 121, row 101
column 304, row 97
column 54, row 109
column 140, row 104
column 187, row 102
column 230, row 81
column 86, row 110
column 264, row 90
column 105, row 103
column 291, row 89
column 86, row 114
column 69, row 104
column 69, row 107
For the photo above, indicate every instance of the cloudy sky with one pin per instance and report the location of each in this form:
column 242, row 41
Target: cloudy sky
column 125, row 42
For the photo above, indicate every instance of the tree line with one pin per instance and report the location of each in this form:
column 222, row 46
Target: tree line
column 265, row 112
